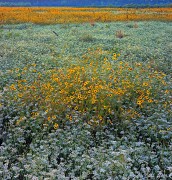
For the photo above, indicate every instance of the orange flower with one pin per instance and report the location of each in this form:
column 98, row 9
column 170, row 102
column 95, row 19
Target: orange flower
column 49, row 118
column 130, row 69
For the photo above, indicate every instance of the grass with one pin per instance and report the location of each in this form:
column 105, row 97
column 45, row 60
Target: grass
column 120, row 34
column 82, row 103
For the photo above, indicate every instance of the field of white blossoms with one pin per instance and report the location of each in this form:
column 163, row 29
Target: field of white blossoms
column 86, row 101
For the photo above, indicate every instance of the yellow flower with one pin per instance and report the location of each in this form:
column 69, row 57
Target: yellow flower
column 150, row 100
column 139, row 102
column 71, row 97
column 115, row 80
column 100, row 118
column 76, row 108
column 138, row 64
column 166, row 91
column 109, row 110
column 54, row 117
column 20, row 95
column 114, row 56
column 145, row 84
column 20, row 120
column 56, row 126
column 36, row 113
column 70, row 118
column 93, row 101
column 85, row 83
column 67, row 116
column 146, row 97
column 95, row 91
column 79, row 96
column 147, row 92
column 12, row 87
column 34, row 65
column 105, row 107
column 49, row 118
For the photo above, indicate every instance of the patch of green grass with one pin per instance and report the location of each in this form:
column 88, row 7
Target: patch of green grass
column 86, row 38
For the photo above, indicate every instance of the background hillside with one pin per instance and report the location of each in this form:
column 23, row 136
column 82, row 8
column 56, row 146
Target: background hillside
column 83, row 2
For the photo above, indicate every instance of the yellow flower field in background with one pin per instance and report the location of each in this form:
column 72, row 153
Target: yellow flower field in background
column 53, row 15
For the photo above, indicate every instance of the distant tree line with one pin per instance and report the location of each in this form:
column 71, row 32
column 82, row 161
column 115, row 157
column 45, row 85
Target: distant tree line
column 88, row 3
column 11, row 4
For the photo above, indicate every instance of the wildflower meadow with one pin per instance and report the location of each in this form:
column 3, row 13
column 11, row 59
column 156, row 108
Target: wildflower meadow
column 85, row 93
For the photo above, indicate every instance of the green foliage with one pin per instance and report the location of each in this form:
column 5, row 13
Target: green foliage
column 86, row 37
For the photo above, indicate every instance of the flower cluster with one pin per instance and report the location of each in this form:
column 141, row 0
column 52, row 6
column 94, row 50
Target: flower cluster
column 100, row 92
